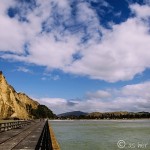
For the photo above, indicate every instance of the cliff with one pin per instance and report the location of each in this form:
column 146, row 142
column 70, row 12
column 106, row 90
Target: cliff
column 13, row 104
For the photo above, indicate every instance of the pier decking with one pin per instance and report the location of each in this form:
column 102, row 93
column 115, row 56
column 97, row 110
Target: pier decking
column 33, row 135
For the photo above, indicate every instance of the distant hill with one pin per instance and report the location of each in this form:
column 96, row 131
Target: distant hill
column 99, row 114
column 19, row 105
column 118, row 115
column 104, row 115
column 73, row 113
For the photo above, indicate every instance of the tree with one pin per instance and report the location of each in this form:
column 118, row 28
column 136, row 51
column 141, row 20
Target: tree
column 42, row 111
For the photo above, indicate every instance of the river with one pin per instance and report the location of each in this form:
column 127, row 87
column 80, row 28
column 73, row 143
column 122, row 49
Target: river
column 102, row 134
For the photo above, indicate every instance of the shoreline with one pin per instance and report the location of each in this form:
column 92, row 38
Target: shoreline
column 97, row 119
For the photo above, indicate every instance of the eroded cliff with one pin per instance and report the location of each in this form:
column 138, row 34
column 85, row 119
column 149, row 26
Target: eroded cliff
column 13, row 104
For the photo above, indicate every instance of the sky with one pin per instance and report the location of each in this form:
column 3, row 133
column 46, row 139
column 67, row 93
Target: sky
column 87, row 55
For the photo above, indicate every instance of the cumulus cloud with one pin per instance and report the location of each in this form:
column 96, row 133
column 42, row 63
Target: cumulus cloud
column 132, row 98
column 137, row 90
column 56, row 32
column 58, row 105
column 141, row 11
column 122, row 53
column 12, row 34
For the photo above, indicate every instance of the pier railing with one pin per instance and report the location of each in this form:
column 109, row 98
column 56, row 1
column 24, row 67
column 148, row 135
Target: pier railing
column 4, row 126
column 37, row 136
column 44, row 141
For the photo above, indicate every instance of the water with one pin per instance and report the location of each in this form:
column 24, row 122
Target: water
column 102, row 134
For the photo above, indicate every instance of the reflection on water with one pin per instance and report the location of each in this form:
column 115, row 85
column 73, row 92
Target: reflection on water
column 102, row 134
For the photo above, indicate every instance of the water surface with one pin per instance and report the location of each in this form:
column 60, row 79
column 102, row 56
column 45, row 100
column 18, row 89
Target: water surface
column 102, row 134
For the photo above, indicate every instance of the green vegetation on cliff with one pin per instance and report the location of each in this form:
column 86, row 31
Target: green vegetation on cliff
column 42, row 111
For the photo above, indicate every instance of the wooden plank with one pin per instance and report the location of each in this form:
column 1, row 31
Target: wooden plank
column 12, row 140
column 11, row 133
column 29, row 137
column 30, row 141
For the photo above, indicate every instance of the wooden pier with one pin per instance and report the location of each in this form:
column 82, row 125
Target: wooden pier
column 27, row 135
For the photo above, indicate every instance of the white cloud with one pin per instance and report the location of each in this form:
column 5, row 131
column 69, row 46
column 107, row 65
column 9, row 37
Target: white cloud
column 43, row 78
column 98, row 94
column 56, row 77
column 50, row 77
column 141, row 11
column 24, row 69
column 137, row 90
column 132, row 98
column 120, row 54
column 57, row 105
column 12, row 35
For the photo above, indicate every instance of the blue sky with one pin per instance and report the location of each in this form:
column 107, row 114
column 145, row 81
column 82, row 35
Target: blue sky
column 88, row 55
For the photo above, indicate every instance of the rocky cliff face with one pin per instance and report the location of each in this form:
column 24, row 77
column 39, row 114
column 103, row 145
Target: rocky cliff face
column 13, row 104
